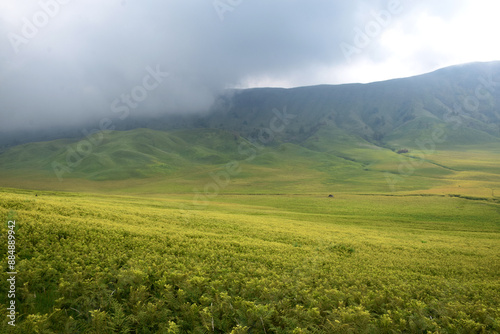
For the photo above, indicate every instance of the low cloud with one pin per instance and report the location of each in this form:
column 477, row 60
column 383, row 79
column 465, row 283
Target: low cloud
column 65, row 62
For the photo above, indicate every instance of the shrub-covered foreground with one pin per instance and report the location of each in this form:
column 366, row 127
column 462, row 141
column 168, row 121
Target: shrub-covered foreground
column 252, row 264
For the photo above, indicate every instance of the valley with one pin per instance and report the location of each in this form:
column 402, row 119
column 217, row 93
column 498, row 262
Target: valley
column 328, row 209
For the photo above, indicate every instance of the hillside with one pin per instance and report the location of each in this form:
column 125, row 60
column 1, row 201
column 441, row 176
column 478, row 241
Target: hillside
column 463, row 100
column 217, row 161
column 330, row 209
column 307, row 139
column 253, row 264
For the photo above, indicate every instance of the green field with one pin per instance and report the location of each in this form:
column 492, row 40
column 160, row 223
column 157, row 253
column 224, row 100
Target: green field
column 204, row 231
column 243, row 263
column 221, row 221
column 144, row 161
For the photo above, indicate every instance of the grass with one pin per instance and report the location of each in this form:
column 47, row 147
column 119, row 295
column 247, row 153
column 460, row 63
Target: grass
column 254, row 263
column 146, row 161
column 200, row 232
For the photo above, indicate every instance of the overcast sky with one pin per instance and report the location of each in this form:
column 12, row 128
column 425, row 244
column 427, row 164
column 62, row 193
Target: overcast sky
column 64, row 61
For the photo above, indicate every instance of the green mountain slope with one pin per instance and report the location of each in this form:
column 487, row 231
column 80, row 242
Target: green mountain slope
column 216, row 161
column 307, row 139
column 122, row 155
column 463, row 100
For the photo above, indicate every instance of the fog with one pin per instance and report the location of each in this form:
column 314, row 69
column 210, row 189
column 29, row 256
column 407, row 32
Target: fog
column 65, row 62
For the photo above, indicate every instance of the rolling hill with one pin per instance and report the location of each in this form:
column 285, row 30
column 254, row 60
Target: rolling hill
column 329, row 209
column 445, row 124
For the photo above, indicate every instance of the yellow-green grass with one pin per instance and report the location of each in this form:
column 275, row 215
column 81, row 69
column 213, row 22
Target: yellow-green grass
column 296, row 170
column 144, row 161
column 253, row 263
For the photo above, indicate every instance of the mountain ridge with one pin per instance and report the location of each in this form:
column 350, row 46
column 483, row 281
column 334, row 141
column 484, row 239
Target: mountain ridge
column 405, row 98
column 442, row 92
column 411, row 132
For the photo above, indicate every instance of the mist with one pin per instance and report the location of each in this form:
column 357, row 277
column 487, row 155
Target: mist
column 65, row 63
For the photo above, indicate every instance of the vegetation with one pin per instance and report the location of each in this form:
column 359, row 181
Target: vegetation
column 147, row 161
column 253, row 263
column 395, row 112
column 222, row 223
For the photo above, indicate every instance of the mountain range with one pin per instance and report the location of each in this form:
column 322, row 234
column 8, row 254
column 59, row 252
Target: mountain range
column 439, row 130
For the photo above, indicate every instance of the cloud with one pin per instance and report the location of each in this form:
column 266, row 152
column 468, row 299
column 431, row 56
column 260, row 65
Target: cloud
column 83, row 55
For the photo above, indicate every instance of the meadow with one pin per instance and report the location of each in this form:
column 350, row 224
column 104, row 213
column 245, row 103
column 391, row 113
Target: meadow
column 253, row 263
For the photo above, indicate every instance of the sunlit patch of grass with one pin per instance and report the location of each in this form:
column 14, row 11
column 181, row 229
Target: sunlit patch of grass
column 363, row 263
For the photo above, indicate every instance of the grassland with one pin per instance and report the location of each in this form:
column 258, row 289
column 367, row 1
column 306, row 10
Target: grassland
column 202, row 231
column 145, row 161
column 94, row 263
column 222, row 223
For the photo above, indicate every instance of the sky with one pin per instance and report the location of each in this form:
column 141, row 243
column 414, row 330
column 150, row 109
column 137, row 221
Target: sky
column 68, row 61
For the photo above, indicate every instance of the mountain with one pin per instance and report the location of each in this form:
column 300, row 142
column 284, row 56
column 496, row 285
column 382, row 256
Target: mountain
column 306, row 138
column 394, row 112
